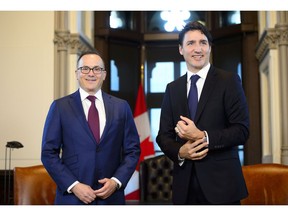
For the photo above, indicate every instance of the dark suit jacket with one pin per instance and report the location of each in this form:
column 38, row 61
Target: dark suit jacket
column 67, row 133
column 222, row 111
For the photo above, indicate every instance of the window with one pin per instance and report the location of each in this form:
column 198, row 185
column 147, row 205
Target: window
column 121, row 20
column 171, row 20
column 161, row 75
column 114, row 76
column 229, row 18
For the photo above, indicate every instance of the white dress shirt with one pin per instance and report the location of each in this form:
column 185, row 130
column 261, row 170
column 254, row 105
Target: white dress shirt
column 99, row 105
column 200, row 83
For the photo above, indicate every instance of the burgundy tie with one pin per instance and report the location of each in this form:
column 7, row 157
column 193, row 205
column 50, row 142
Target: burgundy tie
column 93, row 118
column 193, row 96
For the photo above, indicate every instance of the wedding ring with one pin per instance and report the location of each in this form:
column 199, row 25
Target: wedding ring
column 176, row 130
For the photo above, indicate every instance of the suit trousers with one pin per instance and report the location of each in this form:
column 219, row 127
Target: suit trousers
column 196, row 195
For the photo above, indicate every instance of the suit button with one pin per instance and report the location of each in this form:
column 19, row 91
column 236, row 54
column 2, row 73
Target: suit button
column 97, row 149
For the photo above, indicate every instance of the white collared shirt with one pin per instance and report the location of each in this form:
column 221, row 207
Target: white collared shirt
column 99, row 105
column 200, row 83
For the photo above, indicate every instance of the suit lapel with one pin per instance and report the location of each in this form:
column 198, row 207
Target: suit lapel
column 109, row 112
column 77, row 107
column 208, row 87
column 182, row 95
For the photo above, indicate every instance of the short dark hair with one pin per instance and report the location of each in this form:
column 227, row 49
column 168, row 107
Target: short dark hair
column 195, row 25
column 90, row 52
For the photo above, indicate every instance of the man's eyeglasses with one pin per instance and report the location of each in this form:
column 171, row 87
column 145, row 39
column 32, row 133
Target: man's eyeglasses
column 86, row 69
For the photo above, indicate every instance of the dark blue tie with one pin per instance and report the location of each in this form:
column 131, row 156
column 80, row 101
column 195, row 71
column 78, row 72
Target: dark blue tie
column 193, row 96
column 93, row 118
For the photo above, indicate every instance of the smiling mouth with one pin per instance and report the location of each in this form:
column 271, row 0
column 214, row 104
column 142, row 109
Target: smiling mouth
column 91, row 80
column 197, row 56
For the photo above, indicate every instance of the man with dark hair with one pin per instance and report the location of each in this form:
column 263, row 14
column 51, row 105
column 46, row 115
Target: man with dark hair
column 90, row 143
column 203, row 121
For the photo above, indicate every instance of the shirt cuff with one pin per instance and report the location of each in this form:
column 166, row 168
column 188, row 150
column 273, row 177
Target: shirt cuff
column 206, row 135
column 69, row 189
column 117, row 181
column 180, row 160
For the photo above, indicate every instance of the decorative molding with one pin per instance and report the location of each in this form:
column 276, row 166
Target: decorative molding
column 78, row 44
column 75, row 43
column 267, row 41
column 282, row 32
column 271, row 39
column 62, row 39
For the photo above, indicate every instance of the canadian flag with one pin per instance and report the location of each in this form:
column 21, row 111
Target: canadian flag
column 141, row 119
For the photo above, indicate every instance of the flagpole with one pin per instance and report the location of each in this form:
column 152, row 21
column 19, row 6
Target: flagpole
column 142, row 65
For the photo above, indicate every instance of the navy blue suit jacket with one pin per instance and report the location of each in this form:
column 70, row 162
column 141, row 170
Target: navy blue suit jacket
column 70, row 152
column 222, row 111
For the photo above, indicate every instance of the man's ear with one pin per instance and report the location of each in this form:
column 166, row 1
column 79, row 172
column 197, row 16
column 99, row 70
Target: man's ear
column 76, row 75
column 180, row 49
column 105, row 74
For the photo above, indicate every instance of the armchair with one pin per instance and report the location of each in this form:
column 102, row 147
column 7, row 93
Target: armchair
column 156, row 180
column 33, row 186
column 267, row 184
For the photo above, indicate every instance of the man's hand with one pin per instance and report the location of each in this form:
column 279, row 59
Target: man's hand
column 109, row 187
column 84, row 192
column 186, row 129
column 196, row 150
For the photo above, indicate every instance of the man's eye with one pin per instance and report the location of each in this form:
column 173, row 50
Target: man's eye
column 97, row 69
